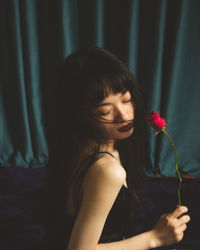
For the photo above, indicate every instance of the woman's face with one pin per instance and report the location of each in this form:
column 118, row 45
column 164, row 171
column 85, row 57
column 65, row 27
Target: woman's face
column 115, row 115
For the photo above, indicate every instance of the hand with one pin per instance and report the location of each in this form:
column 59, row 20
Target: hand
column 170, row 227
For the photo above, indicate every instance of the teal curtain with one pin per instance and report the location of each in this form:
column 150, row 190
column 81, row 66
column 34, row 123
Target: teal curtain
column 159, row 40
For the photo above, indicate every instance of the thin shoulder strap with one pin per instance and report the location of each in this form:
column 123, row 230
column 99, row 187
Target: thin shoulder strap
column 91, row 159
column 105, row 152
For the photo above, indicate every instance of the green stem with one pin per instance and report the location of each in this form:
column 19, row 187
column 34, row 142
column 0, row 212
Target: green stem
column 180, row 178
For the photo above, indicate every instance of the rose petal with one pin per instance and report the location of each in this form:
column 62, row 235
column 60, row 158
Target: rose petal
column 155, row 120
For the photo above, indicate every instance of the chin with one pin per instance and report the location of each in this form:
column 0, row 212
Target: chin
column 124, row 135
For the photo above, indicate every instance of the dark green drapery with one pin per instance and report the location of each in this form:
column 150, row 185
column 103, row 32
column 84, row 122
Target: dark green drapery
column 159, row 40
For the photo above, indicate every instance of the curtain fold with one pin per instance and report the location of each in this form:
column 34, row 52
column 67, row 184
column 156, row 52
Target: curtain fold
column 159, row 40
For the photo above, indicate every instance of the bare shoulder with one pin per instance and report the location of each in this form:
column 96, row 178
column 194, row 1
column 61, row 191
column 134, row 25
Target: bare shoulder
column 105, row 171
column 100, row 186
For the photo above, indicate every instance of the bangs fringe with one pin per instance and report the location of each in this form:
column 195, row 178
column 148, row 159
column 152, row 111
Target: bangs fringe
column 103, row 85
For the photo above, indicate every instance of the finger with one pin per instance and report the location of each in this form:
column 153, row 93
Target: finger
column 181, row 229
column 179, row 211
column 183, row 220
column 179, row 237
column 164, row 215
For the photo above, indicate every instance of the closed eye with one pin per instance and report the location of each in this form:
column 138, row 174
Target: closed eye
column 103, row 114
column 130, row 100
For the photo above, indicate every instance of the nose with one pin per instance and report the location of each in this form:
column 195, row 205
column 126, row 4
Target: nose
column 122, row 115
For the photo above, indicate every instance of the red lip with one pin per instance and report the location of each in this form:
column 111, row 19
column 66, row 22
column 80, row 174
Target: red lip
column 126, row 127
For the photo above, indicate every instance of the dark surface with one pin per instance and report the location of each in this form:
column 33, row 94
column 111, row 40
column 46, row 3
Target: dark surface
column 22, row 208
column 160, row 196
column 22, row 204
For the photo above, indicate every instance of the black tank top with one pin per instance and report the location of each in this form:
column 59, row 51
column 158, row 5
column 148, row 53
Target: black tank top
column 118, row 223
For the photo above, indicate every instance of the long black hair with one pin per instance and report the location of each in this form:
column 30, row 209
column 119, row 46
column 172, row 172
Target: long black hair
column 85, row 78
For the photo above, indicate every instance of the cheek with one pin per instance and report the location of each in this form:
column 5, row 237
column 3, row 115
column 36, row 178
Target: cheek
column 133, row 110
column 130, row 110
column 107, row 129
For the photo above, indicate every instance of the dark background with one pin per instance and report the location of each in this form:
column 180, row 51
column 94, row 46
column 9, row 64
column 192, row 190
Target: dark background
column 159, row 41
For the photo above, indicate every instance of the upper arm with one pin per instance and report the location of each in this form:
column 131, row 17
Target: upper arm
column 100, row 188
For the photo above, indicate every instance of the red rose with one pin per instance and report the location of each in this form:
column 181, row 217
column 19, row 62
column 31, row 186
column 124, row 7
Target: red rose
column 157, row 122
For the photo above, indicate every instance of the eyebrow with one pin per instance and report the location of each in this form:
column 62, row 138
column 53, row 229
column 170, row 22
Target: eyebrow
column 103, row 104
column 108, row 103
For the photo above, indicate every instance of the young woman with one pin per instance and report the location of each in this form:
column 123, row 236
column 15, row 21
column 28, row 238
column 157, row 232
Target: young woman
column 100, row 146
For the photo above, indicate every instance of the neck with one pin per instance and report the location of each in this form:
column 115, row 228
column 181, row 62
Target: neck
column 92, row 145
column 109, row 147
